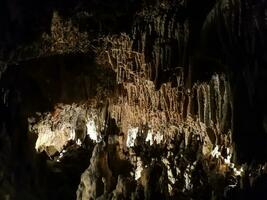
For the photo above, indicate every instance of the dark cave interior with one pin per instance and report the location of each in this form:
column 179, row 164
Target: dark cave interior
column 194, row 72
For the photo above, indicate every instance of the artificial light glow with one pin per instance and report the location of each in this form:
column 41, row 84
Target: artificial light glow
column 91, row 130
column 139, row 169
column 131, row 136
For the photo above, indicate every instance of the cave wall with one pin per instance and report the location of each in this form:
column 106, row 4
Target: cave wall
column 174, row 91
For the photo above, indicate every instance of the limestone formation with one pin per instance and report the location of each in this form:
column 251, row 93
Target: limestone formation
column 127, row 99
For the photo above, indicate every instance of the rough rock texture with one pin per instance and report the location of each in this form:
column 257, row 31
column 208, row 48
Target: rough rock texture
column 126, row 99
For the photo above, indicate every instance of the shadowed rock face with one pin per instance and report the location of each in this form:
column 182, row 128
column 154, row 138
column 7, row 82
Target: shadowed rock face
column 133, row 99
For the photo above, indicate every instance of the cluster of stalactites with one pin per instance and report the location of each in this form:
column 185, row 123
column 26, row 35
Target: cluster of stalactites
column 65, row 124
column 203, row 112
column 128, row 64
column 209, row 102
column 64, row 37
column 206, row 103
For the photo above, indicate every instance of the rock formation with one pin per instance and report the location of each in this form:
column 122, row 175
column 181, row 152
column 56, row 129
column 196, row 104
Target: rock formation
column 156, row 99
